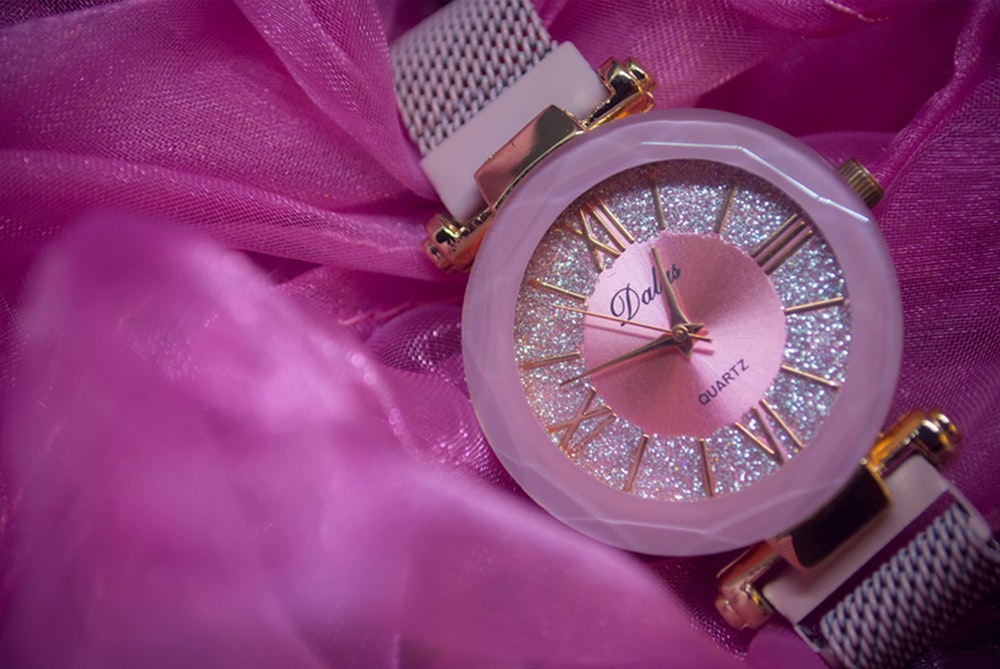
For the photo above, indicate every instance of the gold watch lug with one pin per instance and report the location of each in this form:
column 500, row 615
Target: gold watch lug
column 514, row 160
column 816, row 539
column 739, row 601
column 453, row 244
column 630, row 91
column 813, row 540
column 931, row 434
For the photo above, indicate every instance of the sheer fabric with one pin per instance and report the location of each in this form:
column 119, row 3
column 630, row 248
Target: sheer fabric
column 234, row 427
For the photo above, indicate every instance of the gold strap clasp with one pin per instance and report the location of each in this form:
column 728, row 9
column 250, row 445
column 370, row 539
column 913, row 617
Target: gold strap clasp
column 453, row 244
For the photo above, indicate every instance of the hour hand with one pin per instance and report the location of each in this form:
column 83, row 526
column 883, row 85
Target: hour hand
column 660, row 342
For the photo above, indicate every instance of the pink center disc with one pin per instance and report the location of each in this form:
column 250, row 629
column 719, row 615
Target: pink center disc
column 665, row 391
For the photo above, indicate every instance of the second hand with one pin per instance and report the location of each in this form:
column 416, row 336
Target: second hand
column 640, row 325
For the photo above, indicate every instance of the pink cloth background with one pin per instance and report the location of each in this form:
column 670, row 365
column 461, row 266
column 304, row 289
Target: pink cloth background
column 235, row 431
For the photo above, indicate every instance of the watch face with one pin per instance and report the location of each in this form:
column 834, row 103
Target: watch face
column 682, row 330
column 682, row 333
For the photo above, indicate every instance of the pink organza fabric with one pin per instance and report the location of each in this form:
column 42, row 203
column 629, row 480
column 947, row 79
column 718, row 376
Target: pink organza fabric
column 234, row 427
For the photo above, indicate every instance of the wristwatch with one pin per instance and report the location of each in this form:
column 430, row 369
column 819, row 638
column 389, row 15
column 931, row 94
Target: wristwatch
column 682, row 333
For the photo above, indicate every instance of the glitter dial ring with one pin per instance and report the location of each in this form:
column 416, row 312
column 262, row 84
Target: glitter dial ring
column 781, row 197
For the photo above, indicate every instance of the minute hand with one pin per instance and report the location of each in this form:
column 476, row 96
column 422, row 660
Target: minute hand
column 625, row 321
column 677, row 315
column 658, row 343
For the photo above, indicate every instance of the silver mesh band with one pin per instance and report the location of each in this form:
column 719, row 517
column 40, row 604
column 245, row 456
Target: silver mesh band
column 894, row 614
column 455, row 62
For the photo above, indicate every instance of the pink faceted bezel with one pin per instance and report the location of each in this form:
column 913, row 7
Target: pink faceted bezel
column 769, row 506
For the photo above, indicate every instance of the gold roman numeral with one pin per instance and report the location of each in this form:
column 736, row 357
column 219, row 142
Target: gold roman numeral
column 558, row 290
column 661, row 219
column 528, row 365
column 727, row 203
column 770, row 450
column 782, row 424
column 765, row 439
column 633, row 470
column 706, row 469
column 782, row 243
column 584, row 412
column 596, row 213
column 801, row 373
column 814, row 306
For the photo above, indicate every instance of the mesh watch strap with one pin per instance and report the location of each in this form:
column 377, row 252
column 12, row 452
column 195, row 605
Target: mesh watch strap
column 897, row 611
column 454, row 63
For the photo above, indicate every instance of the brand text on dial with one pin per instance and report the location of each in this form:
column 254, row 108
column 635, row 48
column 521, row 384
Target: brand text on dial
column 627, row 301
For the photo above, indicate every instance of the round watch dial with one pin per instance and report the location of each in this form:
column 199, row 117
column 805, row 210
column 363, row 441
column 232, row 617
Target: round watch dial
column 682, row 330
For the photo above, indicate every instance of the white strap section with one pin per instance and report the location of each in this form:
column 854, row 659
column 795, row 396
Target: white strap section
column 563, row 79
column 450, row 66
column 471, row 76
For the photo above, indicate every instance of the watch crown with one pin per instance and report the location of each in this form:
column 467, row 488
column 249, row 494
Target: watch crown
column 861, row 181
